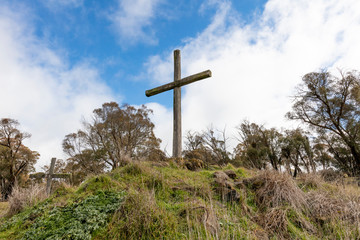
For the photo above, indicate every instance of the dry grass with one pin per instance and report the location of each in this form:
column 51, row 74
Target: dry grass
column 310, row 181
column 274, row 221
column 196, row 213
column 329, row 175
column 274, row 189
column 284, row 205
column 326, row 206
column 336, row 213
column 3, row 208
column 21, row 198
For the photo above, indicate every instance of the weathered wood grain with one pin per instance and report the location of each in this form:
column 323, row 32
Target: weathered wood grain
column 182, row 82
column 177, row 106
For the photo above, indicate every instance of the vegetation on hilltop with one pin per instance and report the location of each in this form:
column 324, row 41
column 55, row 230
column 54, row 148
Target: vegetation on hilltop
column 147, row 200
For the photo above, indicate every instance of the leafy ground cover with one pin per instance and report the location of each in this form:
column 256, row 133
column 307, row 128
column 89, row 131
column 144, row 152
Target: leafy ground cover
column 164, row 201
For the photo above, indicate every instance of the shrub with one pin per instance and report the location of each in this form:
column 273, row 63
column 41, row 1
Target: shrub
column 93, row 184
column 275, row 189
column 21, row 198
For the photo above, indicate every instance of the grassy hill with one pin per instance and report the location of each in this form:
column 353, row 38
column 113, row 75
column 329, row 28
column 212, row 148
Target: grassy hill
column 164, row 201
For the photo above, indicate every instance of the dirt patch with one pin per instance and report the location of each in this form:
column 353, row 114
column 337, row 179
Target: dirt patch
column 224, row 185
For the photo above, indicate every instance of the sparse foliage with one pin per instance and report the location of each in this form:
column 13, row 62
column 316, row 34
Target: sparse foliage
column 195, row 148
column 209, row 146
column 322, row 153
column 297, row 151
column 258, row 146
column 216, row 141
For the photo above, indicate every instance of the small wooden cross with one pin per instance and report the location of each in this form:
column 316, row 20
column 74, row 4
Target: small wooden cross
column 176, row 85
column 49, row 177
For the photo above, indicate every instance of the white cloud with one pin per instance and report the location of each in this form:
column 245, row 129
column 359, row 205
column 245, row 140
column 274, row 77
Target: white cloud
column 161, row 117
column 133, row 19
column 40, row 90
column 257, row 66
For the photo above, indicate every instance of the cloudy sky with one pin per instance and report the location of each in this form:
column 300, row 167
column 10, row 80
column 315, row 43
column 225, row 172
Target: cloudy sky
column 60, row 59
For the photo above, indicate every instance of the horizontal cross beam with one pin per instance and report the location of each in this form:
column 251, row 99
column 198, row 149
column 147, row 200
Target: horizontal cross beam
column 40, row 175
column 181, row 82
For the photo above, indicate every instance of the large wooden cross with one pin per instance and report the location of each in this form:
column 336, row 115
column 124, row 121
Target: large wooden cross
column 176, row 85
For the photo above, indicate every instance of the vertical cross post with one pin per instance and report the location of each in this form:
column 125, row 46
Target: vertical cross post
column 49, row 177
column 177, row 143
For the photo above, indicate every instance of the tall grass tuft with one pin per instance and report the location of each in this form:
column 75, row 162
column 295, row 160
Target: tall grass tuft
column 21, row 198
column 275, row 189
column 139, row 217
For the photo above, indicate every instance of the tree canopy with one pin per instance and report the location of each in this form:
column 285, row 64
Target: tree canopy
column 331, row 105
column 15, row 158
column 114, row 135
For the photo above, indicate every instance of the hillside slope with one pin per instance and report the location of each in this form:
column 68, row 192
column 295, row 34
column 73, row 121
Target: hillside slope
column 163, row 201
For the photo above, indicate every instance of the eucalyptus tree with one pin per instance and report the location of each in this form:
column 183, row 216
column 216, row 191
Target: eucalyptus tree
column 16, row 160
column 297, row 152
column 258, row 146
column 113, row 136
column 331, row 105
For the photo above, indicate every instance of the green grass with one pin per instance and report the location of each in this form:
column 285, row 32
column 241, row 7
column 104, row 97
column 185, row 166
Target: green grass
column 141, row 201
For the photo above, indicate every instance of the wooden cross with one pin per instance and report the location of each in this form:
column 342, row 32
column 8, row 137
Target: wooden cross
column 176, row 85
column 50, row 175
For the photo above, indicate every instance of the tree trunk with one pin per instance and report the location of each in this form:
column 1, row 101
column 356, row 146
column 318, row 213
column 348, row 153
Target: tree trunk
column 287, row 166
column 313, row 165
column 356, row 156
column 6, row 188
column 274, row 161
